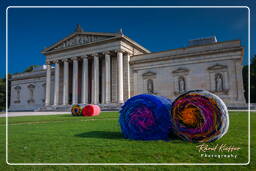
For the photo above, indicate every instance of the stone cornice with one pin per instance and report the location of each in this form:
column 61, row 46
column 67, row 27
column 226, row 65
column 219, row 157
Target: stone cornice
column 179, row 62
column 28, row 75
column 132, row 42
column 235, row 44
column 167, row 56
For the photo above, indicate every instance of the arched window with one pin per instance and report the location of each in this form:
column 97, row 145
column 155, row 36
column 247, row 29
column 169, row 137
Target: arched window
column 181, row 84
column 150, row 86
column 218, row 82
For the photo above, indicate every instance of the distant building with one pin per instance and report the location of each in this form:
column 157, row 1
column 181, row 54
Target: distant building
column 108, row 68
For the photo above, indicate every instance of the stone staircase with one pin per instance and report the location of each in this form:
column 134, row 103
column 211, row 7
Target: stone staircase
column 59, row 108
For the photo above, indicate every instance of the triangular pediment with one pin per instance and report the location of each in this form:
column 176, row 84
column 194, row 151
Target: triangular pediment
column 217, row 67
column 148, row 74
column 79, row 39
column 180, row 70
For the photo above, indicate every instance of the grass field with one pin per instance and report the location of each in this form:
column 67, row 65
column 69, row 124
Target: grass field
column 67, row 139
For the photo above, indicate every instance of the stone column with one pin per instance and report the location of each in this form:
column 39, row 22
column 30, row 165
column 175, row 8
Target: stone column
column 75, row 81
column 135, row 82
column 48, row 85
column 108, row 80
column 56, row 83
column 66, row 82
column 120, row 77
column 103, row 78
column 240, row 87
column 96, row 79
column 128, row 75
column 85, row 81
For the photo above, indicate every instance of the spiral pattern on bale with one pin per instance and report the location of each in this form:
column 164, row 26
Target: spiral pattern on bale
column 145, row 117
column 91, row 110
column 76, row 110
column 199, row 116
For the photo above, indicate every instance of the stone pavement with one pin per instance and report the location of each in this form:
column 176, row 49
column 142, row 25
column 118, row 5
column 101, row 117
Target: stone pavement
column 12, row 114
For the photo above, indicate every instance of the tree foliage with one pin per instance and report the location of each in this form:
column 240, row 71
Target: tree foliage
column 30, row 68
column 2, row 94
column 252, row 80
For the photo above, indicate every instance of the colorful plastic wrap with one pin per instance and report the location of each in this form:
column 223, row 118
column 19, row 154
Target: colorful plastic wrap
column 91, row 110
column 199, row 116
column 145, row 117
column 76, row 110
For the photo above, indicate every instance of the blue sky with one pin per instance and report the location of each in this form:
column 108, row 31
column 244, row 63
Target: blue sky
column 31, row 30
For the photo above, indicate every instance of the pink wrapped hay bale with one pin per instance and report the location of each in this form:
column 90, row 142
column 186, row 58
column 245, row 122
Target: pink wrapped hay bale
column 91, row 110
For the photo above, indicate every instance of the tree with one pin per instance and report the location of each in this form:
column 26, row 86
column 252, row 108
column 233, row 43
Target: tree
column 2, row 94
column 252, row 80
column 30, row 68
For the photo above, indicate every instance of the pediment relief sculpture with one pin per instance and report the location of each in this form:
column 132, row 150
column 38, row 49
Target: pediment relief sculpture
column 80, row 40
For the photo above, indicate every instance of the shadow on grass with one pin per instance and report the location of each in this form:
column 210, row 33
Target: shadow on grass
column 101, row 134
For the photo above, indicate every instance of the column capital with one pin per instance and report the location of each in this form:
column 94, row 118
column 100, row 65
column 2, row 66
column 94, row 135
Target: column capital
column 119, row 51
column 84, row 57
column 66, row 60
column 95, row 54
column 48, row 62
column 74, row 58
column 128, row 53
column 106, row 53
column 56, row 61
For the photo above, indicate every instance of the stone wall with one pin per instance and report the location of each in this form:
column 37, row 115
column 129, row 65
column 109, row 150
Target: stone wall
column 28, row 91
column 218, row 71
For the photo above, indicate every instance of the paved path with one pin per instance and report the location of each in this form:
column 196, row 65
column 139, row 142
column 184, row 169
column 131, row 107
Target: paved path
column 12, row 114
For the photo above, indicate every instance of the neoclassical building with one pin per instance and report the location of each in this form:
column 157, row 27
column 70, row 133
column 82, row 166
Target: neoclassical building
column 108, row 68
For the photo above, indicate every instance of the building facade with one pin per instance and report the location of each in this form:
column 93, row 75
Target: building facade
column 108, row 68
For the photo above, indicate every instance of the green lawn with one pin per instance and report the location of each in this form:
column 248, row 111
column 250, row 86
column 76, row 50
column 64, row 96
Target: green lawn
column 67, row 139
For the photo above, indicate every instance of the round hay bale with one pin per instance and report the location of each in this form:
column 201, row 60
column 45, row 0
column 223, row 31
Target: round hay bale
column 145, row 117
column 91, row 110
column 76, row 110
column 199, row 116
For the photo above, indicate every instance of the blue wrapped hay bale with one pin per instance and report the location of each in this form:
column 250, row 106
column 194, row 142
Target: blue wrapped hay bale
column 146, row 117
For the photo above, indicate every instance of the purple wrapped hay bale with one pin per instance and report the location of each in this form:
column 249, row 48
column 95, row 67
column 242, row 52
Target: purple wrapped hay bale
column 199, row 116
column 146, row 117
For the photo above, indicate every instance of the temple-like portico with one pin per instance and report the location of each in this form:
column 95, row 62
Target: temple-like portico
column 90, row 68
column 89, row 76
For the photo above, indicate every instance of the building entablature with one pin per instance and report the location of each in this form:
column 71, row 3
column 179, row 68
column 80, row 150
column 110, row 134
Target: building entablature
column 180, row 53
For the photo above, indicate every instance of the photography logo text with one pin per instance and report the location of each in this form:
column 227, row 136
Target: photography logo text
column 218, row 151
